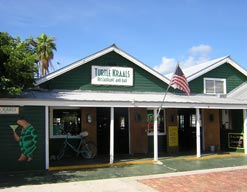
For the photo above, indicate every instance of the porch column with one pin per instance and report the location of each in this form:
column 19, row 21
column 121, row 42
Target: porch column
column 198, row 134
column 155, row 135
column 245, row 130
column 112, row 136
column 46, row 137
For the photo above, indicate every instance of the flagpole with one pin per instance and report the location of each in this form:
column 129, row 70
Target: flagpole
column 166, row 92
column 163, row 99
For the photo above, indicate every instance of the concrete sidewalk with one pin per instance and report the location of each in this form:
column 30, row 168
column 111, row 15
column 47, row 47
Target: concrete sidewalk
column 130, row 183
column 128, row 176
column 104, row 185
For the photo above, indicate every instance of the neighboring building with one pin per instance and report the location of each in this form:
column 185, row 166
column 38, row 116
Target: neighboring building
column 115, row 97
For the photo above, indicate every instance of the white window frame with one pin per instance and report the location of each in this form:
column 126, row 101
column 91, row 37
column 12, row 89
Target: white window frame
column 214, row 79
column 51, row 124
column 164, row 116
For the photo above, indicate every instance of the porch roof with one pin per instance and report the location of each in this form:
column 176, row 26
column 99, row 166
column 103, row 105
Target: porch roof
column 124, row 99
column 240, row 92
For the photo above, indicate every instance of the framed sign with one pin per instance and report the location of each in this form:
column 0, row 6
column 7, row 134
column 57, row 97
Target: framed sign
column 172, row 136
column 236, row 140
column 110, row 75
column 9, row 110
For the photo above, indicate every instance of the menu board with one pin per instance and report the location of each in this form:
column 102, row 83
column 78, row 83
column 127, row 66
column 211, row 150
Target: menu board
column 172, row 136
column 236, row 140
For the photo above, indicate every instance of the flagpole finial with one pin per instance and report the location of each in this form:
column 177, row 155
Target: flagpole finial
column 178, row 64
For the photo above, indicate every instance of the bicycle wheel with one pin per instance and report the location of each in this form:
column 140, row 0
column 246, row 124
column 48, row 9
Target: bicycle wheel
column 61, row 153
column 89, row 150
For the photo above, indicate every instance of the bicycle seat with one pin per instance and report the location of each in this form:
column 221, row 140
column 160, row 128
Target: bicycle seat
column 84, row 133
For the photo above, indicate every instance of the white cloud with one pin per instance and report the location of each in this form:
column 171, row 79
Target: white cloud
column 201, row 50
column 167, row 65
column 197, row 54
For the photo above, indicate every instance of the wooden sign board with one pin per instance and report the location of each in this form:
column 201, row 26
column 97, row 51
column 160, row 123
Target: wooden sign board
column 9, row 110
column 172, row 136
column 236, row 140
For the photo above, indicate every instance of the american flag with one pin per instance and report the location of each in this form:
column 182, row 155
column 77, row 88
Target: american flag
column 179, row 81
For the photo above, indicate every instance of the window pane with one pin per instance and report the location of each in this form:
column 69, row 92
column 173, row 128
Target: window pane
column 181, row 123
column 66, row 120
column 215, row 86
column 193, row 120
column 209, row 86
column 219, row 86
column 150, row 122
column 122, row 122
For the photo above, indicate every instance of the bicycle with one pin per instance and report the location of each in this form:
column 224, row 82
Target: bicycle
column 85, row 149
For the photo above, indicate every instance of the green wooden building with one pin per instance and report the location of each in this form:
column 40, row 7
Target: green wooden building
column 115, row 98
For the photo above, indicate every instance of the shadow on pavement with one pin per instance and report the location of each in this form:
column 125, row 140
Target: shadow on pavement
column 167, row 165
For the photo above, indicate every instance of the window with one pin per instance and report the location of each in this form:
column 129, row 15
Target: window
column 64, row 121
column 122, row 122
column 181, row 122
column 214, row 86
column 193, row 120
column 150, row 122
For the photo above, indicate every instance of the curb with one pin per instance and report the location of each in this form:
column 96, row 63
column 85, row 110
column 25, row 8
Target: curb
column 141, row 161
column 71, row 167
column 184, row 173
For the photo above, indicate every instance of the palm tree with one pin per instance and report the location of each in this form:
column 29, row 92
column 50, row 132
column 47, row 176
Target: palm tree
column 44, row 47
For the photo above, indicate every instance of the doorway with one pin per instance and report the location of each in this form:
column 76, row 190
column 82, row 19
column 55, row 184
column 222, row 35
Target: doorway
column 187, row 129
column 103, row 130
column 121, row 131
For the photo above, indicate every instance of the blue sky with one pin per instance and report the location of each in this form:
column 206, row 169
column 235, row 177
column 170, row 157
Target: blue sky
column 159, row 33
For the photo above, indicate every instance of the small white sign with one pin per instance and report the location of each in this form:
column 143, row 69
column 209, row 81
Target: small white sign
column 9, row 110
column 108, row 75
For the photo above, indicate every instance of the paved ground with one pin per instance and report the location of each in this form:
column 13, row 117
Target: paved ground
column 223, row 179
column 210, row 173
column 212, row 180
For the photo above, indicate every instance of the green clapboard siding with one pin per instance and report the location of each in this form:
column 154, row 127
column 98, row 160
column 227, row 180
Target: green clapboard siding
column 80, row 78
column 9, row 148
column 233, row 77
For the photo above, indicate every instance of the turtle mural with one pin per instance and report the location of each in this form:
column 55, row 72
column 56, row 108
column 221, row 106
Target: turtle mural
column 27, row 139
